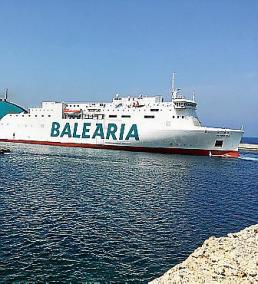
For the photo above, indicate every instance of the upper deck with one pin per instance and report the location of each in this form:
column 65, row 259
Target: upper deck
column 154, row 108
column 120, row 108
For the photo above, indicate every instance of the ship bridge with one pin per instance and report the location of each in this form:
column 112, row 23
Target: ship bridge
column 183, row 103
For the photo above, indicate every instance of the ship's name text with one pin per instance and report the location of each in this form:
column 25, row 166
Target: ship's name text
column 113, row 131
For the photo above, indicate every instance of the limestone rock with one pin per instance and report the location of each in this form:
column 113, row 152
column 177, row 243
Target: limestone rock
column 232, row 259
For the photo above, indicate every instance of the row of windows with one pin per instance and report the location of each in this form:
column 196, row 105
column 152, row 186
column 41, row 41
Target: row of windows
column 92, row 104
column 41, row 109
column 184, row 104
column 29, row 115
column 152, row 116
column 145, row 116
column 110, row 116
column 123, row 116
column 135, row 110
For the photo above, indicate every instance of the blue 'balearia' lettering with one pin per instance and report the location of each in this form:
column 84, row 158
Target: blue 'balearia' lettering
column 112, row 131
column 122, row 131
column 98, row 131
column 75, row 134
column 55, row 129
column 132, row 133
column 86, row 130
column 66, row 130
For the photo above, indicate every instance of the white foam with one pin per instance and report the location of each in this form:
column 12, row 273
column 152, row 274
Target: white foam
column 248, row 158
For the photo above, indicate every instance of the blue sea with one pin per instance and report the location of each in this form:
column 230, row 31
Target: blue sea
column 70, row 215
column 250, row 140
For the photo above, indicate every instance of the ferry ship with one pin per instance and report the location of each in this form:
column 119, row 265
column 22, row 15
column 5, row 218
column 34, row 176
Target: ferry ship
column 139, row 123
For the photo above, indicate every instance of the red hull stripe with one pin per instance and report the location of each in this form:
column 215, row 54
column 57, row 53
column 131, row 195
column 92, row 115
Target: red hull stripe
column 198, row 152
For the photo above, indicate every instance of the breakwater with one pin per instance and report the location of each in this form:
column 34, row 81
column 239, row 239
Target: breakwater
column 248, row 147
column 230, row 259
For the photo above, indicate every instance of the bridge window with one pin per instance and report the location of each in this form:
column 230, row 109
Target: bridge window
column 112, row 115
column 154, row 109
column 149, row 116
column 126, row 116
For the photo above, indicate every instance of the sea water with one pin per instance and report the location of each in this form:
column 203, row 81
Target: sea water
column 97, row 216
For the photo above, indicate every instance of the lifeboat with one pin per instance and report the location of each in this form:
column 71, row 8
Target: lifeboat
column 137, row 104
column 72, row 111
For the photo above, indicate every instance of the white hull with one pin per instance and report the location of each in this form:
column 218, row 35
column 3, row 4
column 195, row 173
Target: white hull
column 150, row 137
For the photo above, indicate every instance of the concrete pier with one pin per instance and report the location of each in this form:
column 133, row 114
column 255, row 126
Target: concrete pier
column 248, row 147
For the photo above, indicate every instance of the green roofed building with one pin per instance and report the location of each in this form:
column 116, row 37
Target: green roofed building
column 7, row 107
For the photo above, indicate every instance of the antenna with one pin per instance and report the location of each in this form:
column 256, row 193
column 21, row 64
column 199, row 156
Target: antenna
column 173, row 82
column 194, row 95
column 174, row 91
column 6, row 94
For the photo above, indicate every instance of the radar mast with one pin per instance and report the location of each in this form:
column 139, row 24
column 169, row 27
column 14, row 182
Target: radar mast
column 174, row 91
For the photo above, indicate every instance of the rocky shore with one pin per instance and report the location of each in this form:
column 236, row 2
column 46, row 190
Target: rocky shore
column 230, row 259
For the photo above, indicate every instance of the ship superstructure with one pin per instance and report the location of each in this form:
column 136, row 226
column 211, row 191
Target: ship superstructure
column 127, row 123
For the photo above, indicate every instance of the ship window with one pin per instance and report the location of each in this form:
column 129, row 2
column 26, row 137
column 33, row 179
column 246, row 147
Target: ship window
column 42, row 115
column 173, row 116
column 218, row 143
column 126, row 116
column 154, row 109
column 112, row 115
column 35, row 115
column 183, row 117
column 49, row 115
column 149, row 116
column 178, row 116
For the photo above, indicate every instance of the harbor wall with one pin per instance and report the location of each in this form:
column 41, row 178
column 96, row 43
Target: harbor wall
column 248, row 147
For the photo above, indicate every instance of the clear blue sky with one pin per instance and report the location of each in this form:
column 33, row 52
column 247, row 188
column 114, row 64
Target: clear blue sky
column 81, row 50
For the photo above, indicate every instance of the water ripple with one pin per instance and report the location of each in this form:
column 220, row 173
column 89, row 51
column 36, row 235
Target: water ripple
column 77, row 215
